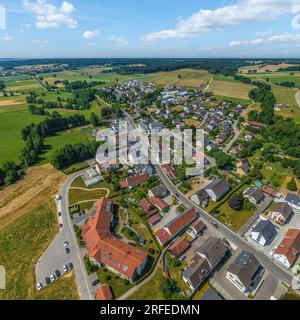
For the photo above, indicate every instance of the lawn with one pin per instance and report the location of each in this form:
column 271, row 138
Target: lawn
column 230, row 89
column 118, row 285
column 275, row 174
column 64, row 138
column 79, row 195
column 234, row 219
column 152, row 289
column 22, row 243
column 63, row 289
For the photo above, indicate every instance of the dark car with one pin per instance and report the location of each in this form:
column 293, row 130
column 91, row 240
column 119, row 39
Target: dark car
column 47, row 280
column 59, row 214
column 70, row 266
column 57, row 273
column 95, row 283
column 68, row 250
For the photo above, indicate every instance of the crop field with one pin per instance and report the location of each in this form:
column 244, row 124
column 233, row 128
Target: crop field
column 21, row 84
column 230, row 89
column 261, row 68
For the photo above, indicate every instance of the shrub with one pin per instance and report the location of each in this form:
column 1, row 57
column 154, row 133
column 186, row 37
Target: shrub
column 236, row 202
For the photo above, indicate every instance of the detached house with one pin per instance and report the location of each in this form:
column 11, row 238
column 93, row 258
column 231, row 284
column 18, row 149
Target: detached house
column 207, row 257
column 201, row 198
column 264, row 232
column 289, row 249
column 132, row 182
column 245, row 272
column 174, row 227
column 254, row 195
column 281, row 213
column 217, row 189
column 148, row 207
column 293, row 200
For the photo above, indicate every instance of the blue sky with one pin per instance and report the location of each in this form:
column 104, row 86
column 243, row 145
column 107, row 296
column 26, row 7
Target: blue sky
column 150, row 28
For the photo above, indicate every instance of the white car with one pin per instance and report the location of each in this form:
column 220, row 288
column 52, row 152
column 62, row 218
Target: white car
column 39, row 286
column 66, row 268
column 66, row 243
column 52, row 277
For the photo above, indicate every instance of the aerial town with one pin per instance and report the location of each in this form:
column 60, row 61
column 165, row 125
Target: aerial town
column 162, row 179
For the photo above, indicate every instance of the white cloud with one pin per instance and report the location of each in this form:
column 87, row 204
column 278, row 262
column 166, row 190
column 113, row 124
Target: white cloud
column 244, row 11
column 50, row 16
column 8, row 38
column 40, row 43
column 119, row 41
column 90, row 34
column 280, row 38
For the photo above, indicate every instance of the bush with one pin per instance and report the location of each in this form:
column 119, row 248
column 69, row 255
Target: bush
column 236, row 202
column 292, row 186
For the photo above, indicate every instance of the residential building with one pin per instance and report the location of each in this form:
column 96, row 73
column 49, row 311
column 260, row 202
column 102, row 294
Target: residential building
column 269, row 191
column 293, row 201
column 158, row 191
column 289, row 249
column 218, row 189
column 134, row 181
column 197, row 228
column 174, row 227
column 243, row 168
column 207, row 257
column 281, row 213
column 254, row 195
column 179, row 247
column 245, row 272
column 148, row 207
column 213, row 250
column 104, row 249
column 263, row 232
column 159, row 203
column 201, row 198
column 154, row 220
column 104, row 293
column 90, row 177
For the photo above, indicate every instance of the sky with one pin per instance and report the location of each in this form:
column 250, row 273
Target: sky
column 150, row 28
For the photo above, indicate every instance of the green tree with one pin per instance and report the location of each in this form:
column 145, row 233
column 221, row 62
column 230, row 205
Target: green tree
column 292, row 186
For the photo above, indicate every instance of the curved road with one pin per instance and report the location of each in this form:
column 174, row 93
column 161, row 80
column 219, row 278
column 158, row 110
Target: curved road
column 82, row 279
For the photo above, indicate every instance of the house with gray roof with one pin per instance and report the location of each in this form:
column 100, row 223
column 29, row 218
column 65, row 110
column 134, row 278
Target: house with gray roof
column 293, row 201
column 263, row 232
column 207, row 257
column 254, row 195
column 245, row 273
column 218, row 189
column 280, row 213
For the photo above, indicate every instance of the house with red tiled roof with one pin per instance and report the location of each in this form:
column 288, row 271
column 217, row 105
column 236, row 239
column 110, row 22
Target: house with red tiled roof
column 148, row 207
column 154, row 220
column 179, row 247
column 104, row 249
column 159, row 203
column 173, row 228
column 289, row 249
column 134, row 181
column 104, row 293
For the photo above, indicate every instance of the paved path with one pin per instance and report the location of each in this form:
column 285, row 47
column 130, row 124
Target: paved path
column 297, row 96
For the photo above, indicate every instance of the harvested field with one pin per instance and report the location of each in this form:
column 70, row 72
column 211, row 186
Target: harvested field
column 38, row 187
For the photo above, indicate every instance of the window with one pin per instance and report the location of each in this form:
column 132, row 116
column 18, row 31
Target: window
column 125, row 268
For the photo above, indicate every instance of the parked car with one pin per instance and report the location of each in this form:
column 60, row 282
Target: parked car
column 68, row 250
column 70, row 266
column 66, row 243
column 95, row 283
column 52, row 277
column 59, row 214
column 47, row 280
column 57, row 273
column 39, row 286
column 66, row 268
column 61, row 225
column 182, row 258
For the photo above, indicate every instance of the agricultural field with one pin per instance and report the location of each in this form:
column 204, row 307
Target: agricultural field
column 230, row 89
column 262, row 68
